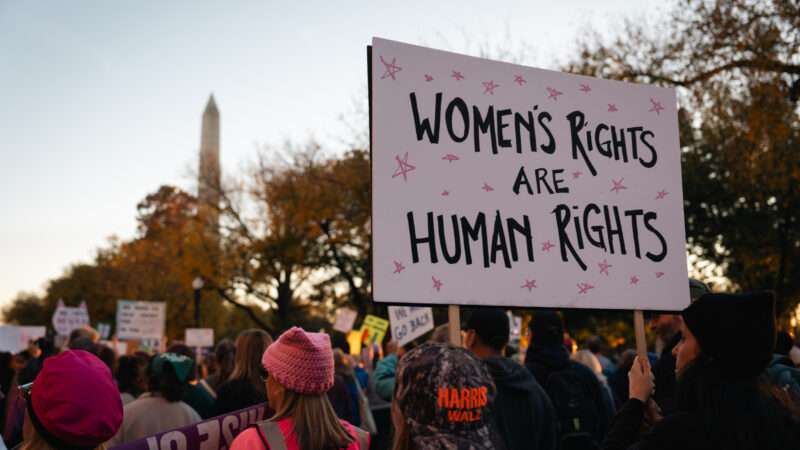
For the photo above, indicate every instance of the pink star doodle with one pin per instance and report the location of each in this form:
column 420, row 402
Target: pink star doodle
column 519, row 80
column 634, row 280
column 659, row 274
column 657, row 108
column 445, row 193
column 428, row 77
column 618, row 186
column 437, row 284
column 450, row 157
column 486, row 187
column 604, row 266
column 457, row 75
column 585, row 88
column 661, row 194
column 612, row 107
column 553, row 93
column 489, row 87
column 403, row 167
column 577, row 174
column 547, row 245
column 583, row 288
column 391, row 68
column 529, row 284
column 398, row 267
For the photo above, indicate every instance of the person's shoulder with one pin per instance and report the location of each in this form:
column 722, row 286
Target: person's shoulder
column 387, row 363
column 234, row 387
column 583, row 371
column 357, row 434
column 144, row 401
column 189, row 411
column 249, row 439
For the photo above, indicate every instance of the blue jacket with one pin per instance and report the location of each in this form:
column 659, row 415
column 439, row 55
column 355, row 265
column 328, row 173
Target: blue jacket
column 384, row 377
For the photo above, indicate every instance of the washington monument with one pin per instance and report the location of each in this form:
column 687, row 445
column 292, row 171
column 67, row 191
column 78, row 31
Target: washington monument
column 208, row 180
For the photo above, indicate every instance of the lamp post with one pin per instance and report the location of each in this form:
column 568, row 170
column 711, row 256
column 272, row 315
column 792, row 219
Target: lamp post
column 197, row 285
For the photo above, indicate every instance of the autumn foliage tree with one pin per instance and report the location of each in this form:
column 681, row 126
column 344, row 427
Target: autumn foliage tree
column 736, row 64
column 297, row 232
column 159, row 264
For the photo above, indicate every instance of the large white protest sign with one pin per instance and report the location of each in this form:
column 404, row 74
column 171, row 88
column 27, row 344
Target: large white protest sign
column 495, row 183
column 140, row 320
column 345, row 318
column 409, row 322
column 68, row 318
column 16, row 338
column 199, row 337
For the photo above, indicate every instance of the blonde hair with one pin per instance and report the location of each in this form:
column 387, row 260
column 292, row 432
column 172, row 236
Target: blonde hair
column 37, row 442
column 250, row 345
column 315, row 423
column 587, row 358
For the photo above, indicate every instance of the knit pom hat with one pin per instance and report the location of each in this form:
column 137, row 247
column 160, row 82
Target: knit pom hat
column 301, row 361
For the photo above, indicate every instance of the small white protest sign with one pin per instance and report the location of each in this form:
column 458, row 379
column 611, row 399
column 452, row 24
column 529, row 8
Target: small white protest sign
column 409, row 322
column 104, row 329
column 514, row 325
column 15, row 338
column 500, row 184
column 68, row 318
column 199, row 337
column 140, row 320
column 345, row 318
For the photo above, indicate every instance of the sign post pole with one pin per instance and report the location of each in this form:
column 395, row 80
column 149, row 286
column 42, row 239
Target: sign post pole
column 454, row 324
column 638, row 327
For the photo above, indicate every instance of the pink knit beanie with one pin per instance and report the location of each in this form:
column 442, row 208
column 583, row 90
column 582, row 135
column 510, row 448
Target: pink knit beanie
column 300, row 361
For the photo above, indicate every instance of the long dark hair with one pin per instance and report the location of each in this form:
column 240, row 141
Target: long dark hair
column 130, row 371
column 250, row 345
column 737, row 413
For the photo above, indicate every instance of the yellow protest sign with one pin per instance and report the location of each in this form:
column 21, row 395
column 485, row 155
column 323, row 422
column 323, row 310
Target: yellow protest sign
column 374, row 329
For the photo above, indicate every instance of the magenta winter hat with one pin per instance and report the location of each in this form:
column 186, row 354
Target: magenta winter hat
column 301, row 361
column 74, row 402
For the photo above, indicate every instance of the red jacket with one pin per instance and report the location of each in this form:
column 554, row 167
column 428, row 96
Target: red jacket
column 280, row 436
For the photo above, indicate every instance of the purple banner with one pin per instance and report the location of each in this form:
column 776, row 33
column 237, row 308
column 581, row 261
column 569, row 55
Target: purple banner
column 213, row 434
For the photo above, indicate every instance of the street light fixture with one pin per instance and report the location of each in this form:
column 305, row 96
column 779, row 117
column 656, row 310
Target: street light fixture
column 197, row 285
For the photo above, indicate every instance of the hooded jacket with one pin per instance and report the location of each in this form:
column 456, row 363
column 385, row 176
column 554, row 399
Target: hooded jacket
column 384, row 377
column 544, row 360
column 523, row 414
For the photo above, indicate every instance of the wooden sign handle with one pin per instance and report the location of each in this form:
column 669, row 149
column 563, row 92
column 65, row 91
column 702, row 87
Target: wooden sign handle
column 638, row 328
column 454, row 325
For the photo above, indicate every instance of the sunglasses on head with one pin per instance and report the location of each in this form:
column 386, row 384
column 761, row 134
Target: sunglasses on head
column 25, row 390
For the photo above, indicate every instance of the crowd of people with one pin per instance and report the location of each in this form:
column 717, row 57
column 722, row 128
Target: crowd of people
column 722, row 377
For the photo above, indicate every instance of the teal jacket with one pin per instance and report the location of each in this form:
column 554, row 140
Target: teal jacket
column 384, row 377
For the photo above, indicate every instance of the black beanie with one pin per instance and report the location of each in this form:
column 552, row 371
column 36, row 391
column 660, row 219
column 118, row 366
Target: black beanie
column 547, row 328
column 491, row 325
column 737, row 331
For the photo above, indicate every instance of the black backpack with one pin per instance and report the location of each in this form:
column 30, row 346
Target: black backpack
column 575, row 408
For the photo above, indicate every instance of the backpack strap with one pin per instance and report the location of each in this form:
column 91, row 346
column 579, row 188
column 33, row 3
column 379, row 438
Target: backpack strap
column 362, row 437
column 271, row 435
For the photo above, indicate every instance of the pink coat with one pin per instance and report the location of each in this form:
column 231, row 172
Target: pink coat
column 249, row 439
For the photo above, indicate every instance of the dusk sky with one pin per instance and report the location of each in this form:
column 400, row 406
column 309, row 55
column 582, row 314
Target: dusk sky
column 102, row 100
